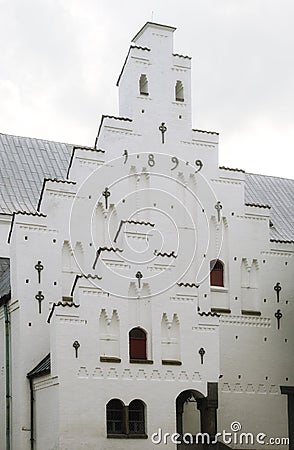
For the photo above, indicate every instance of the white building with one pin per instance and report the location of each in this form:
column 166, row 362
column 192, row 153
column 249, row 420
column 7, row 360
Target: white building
column 142, row 286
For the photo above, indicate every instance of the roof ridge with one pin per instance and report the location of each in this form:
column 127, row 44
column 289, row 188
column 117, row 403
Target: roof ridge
column 36, row 138
column 258, row 205
column 230, row 169
column 205, row 131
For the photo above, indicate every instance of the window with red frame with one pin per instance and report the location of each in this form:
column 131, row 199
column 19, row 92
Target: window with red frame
column 137, row 344
column 216, row 273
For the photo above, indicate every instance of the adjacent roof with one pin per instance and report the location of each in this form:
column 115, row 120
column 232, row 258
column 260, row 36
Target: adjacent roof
column 43, row 368
column 25, row 162
column 4, row 264
column 4, row 279
column 278, row 193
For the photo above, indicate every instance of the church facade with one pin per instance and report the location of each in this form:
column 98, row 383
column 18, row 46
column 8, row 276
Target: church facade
column 146, row 293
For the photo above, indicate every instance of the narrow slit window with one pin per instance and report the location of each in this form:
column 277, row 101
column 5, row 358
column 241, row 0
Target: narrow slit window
column 143, row 85
column 216, row 273
column 179, row 91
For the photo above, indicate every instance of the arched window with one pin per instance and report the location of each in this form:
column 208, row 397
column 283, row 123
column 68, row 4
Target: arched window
column 136, row 417
column 216, row 273
column 115, row 417
column 137, row 344
column 179, row 91
column 125, row 421
column 143, row 85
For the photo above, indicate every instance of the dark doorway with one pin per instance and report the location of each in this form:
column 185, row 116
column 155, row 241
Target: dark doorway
column 289, row 391
column 207, row 408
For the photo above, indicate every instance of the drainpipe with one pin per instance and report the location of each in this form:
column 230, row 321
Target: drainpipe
column 7, row 374
column 32, row 413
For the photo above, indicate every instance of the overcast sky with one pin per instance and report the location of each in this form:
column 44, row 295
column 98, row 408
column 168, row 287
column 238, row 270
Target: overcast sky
column 60, row 59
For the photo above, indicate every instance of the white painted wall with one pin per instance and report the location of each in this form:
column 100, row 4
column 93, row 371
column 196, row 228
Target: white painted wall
column 181, row 204
column 46, row 418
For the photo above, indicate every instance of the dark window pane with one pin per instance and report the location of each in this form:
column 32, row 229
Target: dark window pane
column 137, row 344
column 114, row 417
column 136, row 417
column 138, row 333
column 143, row 85
column 216, row 273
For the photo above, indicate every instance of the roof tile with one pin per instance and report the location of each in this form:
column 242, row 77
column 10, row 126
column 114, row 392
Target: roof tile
column 24, row 164
column 278, row 193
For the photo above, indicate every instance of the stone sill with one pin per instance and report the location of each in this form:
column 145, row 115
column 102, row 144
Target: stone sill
column 247, row 312
column 179, row 103
column 218, row 289
column 127, row 436
column 109, row 359
column 144, row 97
column 171, row 362
column 68, row 299
column 141, row 361
column 221, row 310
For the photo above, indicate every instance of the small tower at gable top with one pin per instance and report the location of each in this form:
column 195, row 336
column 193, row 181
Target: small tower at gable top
column 155, row 81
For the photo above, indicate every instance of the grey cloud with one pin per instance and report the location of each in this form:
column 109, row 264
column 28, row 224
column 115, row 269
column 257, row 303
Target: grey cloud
column 61, row 59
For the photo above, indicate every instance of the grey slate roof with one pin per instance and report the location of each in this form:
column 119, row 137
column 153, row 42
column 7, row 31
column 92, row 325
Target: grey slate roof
column 25, row 162
column 42, row 368
column 278, row 193
column 4, row 264
column 4, row 278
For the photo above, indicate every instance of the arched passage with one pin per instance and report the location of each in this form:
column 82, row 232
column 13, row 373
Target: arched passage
column 204, row 410
column 188, row 412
